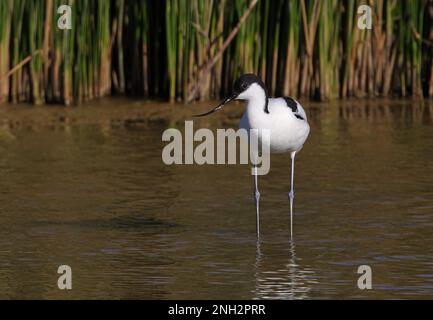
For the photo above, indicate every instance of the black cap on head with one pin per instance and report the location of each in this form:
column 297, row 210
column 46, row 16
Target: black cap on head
column 245, row 81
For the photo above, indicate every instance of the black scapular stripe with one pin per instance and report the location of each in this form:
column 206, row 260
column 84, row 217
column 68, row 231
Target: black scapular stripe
column 294, row 106
column 291, row 104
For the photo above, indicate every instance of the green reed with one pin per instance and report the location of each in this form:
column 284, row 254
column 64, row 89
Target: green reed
column 163, row 49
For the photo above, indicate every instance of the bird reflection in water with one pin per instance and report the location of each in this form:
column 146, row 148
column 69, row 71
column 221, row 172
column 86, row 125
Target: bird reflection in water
column 284, row 280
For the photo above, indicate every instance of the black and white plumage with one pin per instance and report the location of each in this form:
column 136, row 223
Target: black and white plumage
column 284, row 117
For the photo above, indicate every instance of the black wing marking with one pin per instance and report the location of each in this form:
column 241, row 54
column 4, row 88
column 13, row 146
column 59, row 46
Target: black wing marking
column 291, row 103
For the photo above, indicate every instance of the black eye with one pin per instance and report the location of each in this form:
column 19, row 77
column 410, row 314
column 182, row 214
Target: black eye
column 244, row 85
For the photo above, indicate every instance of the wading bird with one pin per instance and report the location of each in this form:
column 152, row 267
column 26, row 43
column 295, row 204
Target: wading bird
column 284, row 118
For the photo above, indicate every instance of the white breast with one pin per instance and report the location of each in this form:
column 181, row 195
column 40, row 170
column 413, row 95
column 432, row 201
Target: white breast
column 288, row 133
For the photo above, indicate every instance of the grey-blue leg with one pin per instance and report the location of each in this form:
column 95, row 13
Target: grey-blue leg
column 257, row 201
column 292, row 191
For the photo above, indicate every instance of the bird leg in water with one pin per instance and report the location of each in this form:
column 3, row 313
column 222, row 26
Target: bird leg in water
column 292, row 192
column 257, row 200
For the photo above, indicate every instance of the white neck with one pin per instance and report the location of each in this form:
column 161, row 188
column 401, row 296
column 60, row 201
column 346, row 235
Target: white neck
column 255, row 97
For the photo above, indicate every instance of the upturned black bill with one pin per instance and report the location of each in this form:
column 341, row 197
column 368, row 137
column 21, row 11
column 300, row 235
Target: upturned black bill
column 227, row 100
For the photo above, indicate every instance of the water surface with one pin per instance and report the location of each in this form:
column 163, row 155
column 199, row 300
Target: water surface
column 97, row 197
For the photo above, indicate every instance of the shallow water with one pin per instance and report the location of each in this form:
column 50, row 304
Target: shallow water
column 99, row 199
